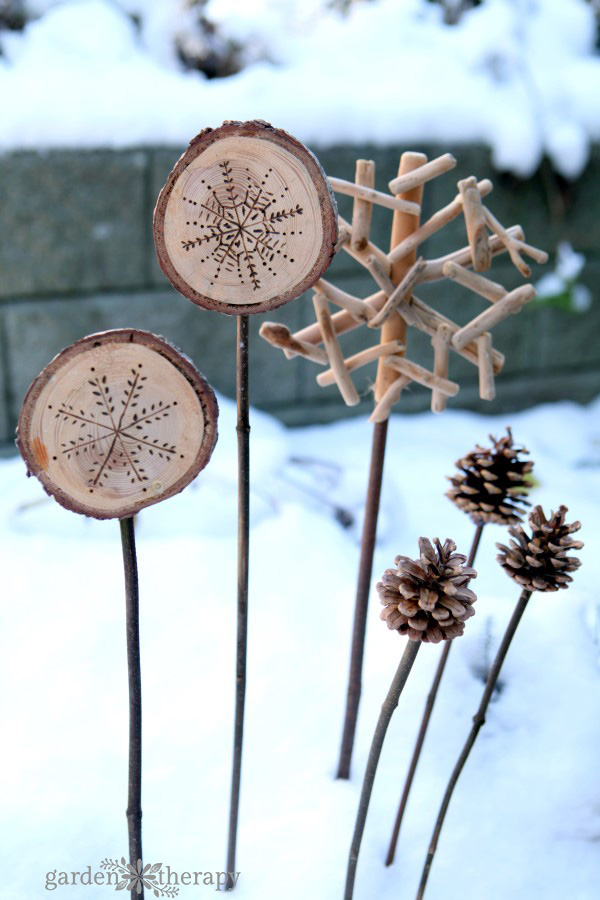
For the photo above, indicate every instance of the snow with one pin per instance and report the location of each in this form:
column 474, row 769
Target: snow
column 522, row 76
column 525, row 819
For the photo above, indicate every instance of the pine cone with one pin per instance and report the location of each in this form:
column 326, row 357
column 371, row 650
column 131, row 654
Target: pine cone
column 491, row 485
column 428, row 599
column 540, row 562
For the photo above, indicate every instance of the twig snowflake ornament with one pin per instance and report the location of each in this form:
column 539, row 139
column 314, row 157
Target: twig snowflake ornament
column 394, row 298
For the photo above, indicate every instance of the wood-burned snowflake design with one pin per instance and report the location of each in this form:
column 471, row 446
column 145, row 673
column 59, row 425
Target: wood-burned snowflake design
column 241, row 226
column 113, row 431
column 116, row 422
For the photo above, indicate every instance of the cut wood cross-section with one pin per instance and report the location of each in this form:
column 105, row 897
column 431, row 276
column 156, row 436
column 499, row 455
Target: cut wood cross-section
column 116, row 422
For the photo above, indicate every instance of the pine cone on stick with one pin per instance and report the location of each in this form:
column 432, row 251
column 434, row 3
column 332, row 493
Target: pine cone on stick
column 491, row 484
column 428, row 598
column 540, row 562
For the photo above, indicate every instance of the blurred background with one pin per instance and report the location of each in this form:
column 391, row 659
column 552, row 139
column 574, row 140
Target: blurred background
column 98, row 98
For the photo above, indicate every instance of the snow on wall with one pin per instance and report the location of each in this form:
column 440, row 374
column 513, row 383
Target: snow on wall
column 522, row 76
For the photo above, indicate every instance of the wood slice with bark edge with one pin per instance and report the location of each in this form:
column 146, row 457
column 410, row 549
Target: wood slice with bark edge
column 116, row 422
column 246, row 221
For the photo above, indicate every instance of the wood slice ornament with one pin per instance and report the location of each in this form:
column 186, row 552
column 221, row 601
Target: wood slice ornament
column 116, row 422
column 246, row 220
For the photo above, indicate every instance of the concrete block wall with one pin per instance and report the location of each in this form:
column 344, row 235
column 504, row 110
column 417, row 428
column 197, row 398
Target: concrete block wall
column 76, row 256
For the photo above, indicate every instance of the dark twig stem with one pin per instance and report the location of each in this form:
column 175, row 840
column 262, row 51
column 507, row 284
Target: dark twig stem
column 132, row 598
column 243, row 437
column 431, row 697
column 367, row 549
column 478, row 722
column 389, row 705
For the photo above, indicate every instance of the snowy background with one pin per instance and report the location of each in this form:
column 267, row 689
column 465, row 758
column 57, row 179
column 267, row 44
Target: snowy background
column 525, row 820
column 522, row 76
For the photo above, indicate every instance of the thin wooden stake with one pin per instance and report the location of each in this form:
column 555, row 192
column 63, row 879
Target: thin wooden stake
column 132, row 602
column 243, row 439
column 387, row 710
column 478, row 722
column 394, row 329
column 431, row 698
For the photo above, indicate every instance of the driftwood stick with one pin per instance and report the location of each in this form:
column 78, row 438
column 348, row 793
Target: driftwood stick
column 342, row 323
column 509, row 305
column 370, row 249
column 540, row 256
column 362, row 209
column 475, row 223
column 383, row 409
column 400, row 297
column 380, row 275
column 357, row 308
column 422, row 376
column 478, row 722
column 476, row 283
column 387, row 710
column 487, row 388
column 511, row 246
column 132, row 604
column 434, row 270
column 344, row 237
column 324, row 379
column 437, row 221
column 429, row 704
column 429, row 321
column 371, row 196
column 441, row 351
column 279, row 336
column 334, row 353
column 424, row 173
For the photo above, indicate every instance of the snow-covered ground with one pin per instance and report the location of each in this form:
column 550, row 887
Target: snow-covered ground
column 520, row 75
column 525, row 820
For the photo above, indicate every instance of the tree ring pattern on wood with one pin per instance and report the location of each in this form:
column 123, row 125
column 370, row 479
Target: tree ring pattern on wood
column 116, row 422
column 246, row 220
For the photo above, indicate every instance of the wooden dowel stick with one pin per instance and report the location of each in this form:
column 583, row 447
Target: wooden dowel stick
column 437, row 221
column 475, row 223
column 243, row 442
column 477, row 283
column 362, row 209
column 398, row 299
column 279, row 336
column 383, row 409
column 487, row 388
column 361, row 256
column 509, row 305
column 334, row 353
column 132, row 603
column 441, row 351
column 364, row 193
column 426, row 172
column 434, row 270
column 324, row 379
column 421, row 376
column 357, row 308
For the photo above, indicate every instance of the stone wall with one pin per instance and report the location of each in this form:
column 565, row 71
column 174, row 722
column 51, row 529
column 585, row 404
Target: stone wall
column 76, row 256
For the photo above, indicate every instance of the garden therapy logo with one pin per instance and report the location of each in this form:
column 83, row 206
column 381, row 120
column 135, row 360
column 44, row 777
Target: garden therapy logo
column 125, row 877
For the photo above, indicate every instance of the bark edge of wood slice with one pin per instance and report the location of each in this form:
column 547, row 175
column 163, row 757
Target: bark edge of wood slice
column 246, row 220
column 116, row 422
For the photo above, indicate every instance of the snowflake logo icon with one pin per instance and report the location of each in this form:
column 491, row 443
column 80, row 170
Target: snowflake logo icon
column 136, row 878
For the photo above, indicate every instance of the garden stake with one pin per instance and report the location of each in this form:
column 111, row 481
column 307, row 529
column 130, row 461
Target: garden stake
column 431, row 698
column 396, row 310
column 537, row 563
column 389, row 705
column 245, row 223
column 132, row 601
column 393, row 329
column 490, row 486
column 89, row 431
column 243, row 438
column 428, row 600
